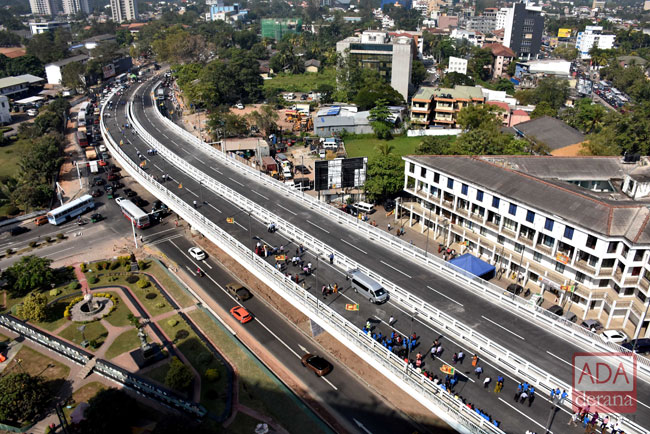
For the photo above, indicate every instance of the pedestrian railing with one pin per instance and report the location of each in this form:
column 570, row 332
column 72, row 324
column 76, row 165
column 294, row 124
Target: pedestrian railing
column 498, row 354
column 443, row 404
column 487, row 290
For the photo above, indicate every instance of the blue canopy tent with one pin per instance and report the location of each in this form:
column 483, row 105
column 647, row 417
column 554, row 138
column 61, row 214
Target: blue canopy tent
column 475, row 266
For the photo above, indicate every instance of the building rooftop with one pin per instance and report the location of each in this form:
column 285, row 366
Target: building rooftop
column 18, row 80
column 500, row 50
column 424, row 93
column 550, row 131
column 64, row 62
column 501, row 104
column 13, row 52
column 548, row 184
column 461, row 92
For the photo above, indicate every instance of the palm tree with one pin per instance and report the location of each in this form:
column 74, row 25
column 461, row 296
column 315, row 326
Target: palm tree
column 384, row 149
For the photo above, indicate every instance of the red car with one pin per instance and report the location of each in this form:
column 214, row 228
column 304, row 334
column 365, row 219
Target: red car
column 103, row 163
column 113, row 177
column 241, row 314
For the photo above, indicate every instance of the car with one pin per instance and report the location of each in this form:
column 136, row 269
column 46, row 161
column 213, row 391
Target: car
column 114, row 169
column 614, row 336
column 32, row 112
column 592, row 324
column 118, row 200
column 103, row 148
column 97, row 193
column 98, row 181
column 303, row 97
column 105, row 156
column 239, row 292
column 640, row 346
column 94, row 218
column 239, row 106
column 557, row 310
column 116, row 185
column 316, row 364
column 389, row 205
column 197, row 253
column 140, row 202
column 102, row 163
column 40, row 220
column 18, row 230
column 129, row 193
column 113, row 176
column 302, row 169
column 515, row 288
column 241, row 314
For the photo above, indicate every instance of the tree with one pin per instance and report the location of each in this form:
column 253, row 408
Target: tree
column 371, row 93
column 23, row 398
column 265, row 119
column 28, row 274
column 543, row 109
column 226, row 124
column 480, row 63
column 566, row 52
column 48, row 47
column 179, row 376
column 435, row 145
column 482, row 116
column 380, row 120
column 418, row 74
column 385, row 177
column 456, row 78
column 34, row 308
column 100, row 415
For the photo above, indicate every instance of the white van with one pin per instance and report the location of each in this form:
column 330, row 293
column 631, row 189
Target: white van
column 366, row 286
column 364, row 207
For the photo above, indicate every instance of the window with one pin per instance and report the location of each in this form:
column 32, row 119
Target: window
column 641, row 296
column 568, row 232
column 530, row 216
column 519, row 247
column 580, row 277
column 548, row 241
column 591, row 241
column 549, row 224
column 436, row 177
column 433, row 190
column 423, row 172
column 450, row 183
column 512, row 209
column 559, row 267
column 537, row 257
column 613, row 245
column 411, row 167
column 608, row 263
column 603, row 283
column 479, row 195
column 501, row 239
column 464, row 189
column 511, row 225
column 495, row 202
column 483, row 230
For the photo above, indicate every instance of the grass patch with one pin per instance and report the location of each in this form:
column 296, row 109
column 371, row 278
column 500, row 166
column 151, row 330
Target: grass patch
column 257, row 389
column 169, row 284
column 119, row 317
column 10, row 155
column 34, row 363
column 55, row 317
column 83, row 394
column 213, row 393
column 364, row 145
column 158, row 373
column 125, row 342
column 302, row 82
column 94, row 331
column 243, row 424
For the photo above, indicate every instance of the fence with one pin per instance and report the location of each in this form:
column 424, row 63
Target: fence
column 452, row 411
column 487, row 290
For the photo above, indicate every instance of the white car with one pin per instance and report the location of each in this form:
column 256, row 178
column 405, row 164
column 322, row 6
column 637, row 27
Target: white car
column 239, row 106
column 196, row 253
column 614, row 336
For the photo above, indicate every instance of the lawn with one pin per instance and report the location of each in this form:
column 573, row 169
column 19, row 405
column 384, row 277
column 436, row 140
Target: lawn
column 119, row 317
column 213, row 394
column 365, row 145
column 94, row 331
column 243, row 424
column 34, row 363
column 10, row 155
column 258, row 388
column 302, row 82
column 158, row 373
column 83, row 394
column 170, row 284
column 125, row 342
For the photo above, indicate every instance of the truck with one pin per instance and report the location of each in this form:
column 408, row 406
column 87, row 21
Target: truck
column 82, row 137
column 91, row 154
column 269, row 165
column 160, row 94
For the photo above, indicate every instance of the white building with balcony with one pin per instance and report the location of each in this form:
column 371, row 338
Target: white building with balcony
column 593, row 37
column 557, row 221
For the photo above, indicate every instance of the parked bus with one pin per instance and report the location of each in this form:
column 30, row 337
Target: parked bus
column 81, row 119
column 70, row 210
column 82, row 138
column 134, row 213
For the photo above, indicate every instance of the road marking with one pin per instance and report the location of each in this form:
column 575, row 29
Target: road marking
column 314, row 224
column 328, row 382
column 213, row 207
column 191, row 192
column 253, row 191
column 236, row 182
column 184, row 150
column 399, row 271
column 360, row 425
column 447, row 297
column 207, row 265
column 303, row 349
column 287, row 209
column 238, row 224
column 499, row 325
column 353, row 246
column 219, row 172
column 525, row 415
column 63, row 250
column 164, row 240
column 156, row 166
column 189, row 269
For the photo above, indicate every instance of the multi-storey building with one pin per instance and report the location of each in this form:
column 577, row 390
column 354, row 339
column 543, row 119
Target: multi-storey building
column 524, row 26
column 45, row 7
column 440, row 106
column 573, row 226
column 36, row 28
column 593, row 37
column 457, row 64
column 73, row 7
column 124, row 10
column 484, row 23
column 502, row 15
column 391, row 57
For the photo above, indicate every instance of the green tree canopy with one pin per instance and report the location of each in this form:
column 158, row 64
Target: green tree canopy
column 385, row 177
column 380, row 120
column 179, row 376
column 223, row 123
column 542, row 109
column 435, row 145
column 265, row 119
column 28, row 274
column 456, row 78
column 23, row 398
column 34, row 308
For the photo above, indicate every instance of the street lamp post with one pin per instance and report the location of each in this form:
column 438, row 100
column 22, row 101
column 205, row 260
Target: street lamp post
column 554, row 402
column 408, row 346
column 426, row 249
column 638, row 330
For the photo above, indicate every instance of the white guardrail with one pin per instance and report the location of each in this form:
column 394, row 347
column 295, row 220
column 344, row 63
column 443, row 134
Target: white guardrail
column 487, row 290
column 437, row 400
column 499, row 355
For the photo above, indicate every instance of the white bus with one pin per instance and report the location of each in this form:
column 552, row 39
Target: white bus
column 71, row 209
column 134, row 213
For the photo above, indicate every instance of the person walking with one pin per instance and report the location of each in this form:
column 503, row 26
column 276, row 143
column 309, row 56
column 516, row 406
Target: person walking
column 474, row 360
column 478, row 371
column 331, row 258
column 518, row 392
column 531, row 395
column 486, row 382
column 454, row 358
column 522, row 397
column 575, row 418
column 388, row 226
column 461, row 357
column 391, row 320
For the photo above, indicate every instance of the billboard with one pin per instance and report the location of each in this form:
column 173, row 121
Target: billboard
column 108, row 70
column 340, row 173
column 564, row 33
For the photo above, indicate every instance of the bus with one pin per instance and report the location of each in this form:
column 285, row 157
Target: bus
column 71, row 209
column 82, row 138
column 134, row 213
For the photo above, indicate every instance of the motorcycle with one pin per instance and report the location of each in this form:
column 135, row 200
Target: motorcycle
column 199, row 272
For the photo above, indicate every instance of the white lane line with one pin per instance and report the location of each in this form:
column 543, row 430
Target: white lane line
column 213, row 207
column 500, row 326
column 236, row 182
column 261, row 195
column 63, row 250
column 156, row 166
column 525, row 415
column 190, row 270
column 164, row 240
column 238, row 224
column 447, row 297
column 328, row 382
column 191, row 192
column 216, row 170
column 184, row 150
column 151, row 234
column 287, row 209
column 314, row 224
column 398, row 270
column 207, row 265
column 354, row 247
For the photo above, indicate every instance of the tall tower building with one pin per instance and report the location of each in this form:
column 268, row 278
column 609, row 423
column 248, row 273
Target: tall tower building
column 523, row 29
column 45, row 7
column 124, row 10
column 72, row 7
